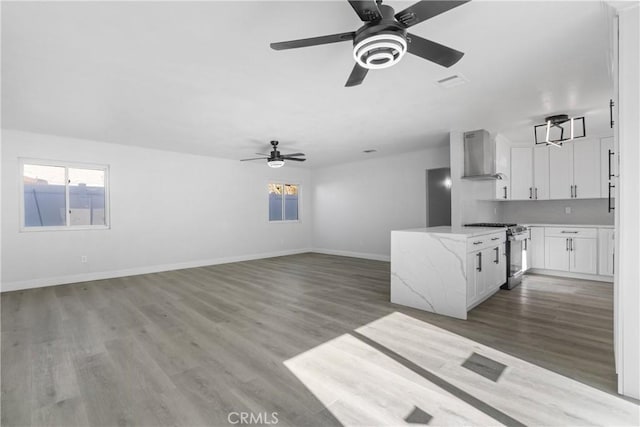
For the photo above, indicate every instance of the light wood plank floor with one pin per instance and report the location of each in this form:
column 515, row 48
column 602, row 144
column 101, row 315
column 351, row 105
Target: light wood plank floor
column 187, row 347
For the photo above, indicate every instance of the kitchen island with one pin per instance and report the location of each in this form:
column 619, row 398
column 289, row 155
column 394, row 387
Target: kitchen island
column 447, row 270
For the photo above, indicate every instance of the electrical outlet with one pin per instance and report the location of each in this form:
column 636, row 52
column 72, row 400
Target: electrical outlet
column 567, row 210
column 83, row 259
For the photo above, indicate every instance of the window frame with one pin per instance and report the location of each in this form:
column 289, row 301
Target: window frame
column 66, row 165
column 284, row 221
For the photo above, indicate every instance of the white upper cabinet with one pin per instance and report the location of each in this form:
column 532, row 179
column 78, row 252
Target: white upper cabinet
column 561, row 172
column 586, row 169
column 521, row 173
column 541, row 173
column 503, row 166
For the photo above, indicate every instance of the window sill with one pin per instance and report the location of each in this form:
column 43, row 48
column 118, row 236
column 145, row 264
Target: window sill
column 64, row 228
column 291, row 221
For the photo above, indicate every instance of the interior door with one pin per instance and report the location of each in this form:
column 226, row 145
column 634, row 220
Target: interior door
column 556, row 253
column 521, row 173
column 541, row 173
column 586, row 169
column 584, row 256
column 561, row 171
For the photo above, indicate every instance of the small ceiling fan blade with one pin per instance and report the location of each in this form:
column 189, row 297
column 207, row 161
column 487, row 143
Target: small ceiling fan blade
column 432, row 51
column 313, row 41
column 255, row 158
column 424, row 10
column 293, row 154
column 367, row 10
column 357, row 75
column 263, row 154
column 295, row 159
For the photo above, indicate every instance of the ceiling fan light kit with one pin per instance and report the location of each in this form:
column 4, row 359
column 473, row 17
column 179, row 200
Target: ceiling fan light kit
column 380, row 51
column 275, row 163
column 561, row 122
column 383, row 39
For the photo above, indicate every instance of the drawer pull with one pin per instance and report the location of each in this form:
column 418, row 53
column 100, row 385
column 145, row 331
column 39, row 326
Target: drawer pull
column 477, row 243
column 569, row 232
column 495, row 238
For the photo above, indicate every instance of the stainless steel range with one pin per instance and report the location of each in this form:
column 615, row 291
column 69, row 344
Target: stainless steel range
column 516, row 248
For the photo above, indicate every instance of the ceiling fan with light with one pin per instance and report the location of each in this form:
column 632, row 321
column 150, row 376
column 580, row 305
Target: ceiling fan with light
column 383, row 39
column 275, row 159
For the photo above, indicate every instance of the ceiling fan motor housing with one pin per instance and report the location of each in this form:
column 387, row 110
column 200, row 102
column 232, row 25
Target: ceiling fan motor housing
column 382, row 43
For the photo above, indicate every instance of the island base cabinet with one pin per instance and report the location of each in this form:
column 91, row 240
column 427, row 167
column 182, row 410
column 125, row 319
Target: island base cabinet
column 486, row 272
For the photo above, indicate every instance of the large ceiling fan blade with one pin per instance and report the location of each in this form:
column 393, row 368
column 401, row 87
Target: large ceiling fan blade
column 295, row 159
column 293, row 154
column 432, row 51
column 263, row 154
column 255, row 158
column 357, row 75
column 424, row 10
column 313, row 41
column 367, row 10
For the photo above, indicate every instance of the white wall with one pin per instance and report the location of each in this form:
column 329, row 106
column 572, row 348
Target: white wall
column 356, row 205
column 168, row 210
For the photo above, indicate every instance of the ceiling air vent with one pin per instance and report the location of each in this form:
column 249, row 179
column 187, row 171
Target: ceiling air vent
column 452, row 81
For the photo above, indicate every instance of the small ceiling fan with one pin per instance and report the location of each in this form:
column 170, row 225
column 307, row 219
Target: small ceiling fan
column 383, row 39
column 275, row 159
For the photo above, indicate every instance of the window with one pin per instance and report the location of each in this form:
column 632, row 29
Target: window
column 63, row 196
column 283, row 202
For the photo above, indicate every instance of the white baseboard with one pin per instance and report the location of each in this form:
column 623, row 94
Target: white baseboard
column 101, row 275
column 364, row 255
column 571, row 275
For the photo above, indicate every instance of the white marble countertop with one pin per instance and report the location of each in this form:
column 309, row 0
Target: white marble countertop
column 460, row 232
column 529, row 224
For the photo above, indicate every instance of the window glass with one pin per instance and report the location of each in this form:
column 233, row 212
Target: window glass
column 290, row 202
column 86, row 197
column 275, row 202
column 44, row 196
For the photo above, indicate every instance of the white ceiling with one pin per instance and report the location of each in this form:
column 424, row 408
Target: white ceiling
column 200, row 77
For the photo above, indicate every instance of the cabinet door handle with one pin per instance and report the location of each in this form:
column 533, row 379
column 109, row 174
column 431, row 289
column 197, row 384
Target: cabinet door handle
column 530, row 193
column 566, row 244
column 610, row 174
column 497, row 260
column 611, row 105
column 526, row 245
column 505, row 191
column 479, row 261
column 570, row 244
column 575, row 191
column 536, row 193
column 610, row 206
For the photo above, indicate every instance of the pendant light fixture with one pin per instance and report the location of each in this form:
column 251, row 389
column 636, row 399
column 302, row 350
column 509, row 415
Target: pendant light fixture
column 560, row 123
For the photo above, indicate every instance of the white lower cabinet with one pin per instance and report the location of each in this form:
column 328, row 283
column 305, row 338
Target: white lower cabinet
column 535, row 248
column 556, row 253
column 571, row 249
column 486, row 267
column 606, row 256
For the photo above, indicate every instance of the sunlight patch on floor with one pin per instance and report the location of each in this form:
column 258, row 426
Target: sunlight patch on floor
column 401, row 365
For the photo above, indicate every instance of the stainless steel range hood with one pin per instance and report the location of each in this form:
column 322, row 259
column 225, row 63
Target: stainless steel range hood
column 480, row 156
